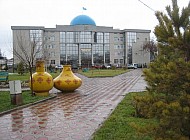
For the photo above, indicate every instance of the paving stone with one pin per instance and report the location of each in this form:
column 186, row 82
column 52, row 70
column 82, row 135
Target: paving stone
column 71, row 116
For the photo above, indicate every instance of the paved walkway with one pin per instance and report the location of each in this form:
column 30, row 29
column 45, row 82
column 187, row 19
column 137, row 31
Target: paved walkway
column 73, row 116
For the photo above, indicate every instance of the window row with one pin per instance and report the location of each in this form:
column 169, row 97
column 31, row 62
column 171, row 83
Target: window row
column 119, row 53
column 50, row 46
column 118, row 61
column 118, row 39
column 84, row 37
column 74, row 47
column 36, row 35
column 51, row 38
column 131, row 38
column 118, row 46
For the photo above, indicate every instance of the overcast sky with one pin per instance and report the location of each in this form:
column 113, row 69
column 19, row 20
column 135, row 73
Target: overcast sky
column 119, row 14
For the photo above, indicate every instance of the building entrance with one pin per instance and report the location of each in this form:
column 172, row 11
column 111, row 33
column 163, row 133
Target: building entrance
column 86, row 55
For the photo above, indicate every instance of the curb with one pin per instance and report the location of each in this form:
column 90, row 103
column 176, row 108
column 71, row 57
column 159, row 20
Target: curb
column 27, row 105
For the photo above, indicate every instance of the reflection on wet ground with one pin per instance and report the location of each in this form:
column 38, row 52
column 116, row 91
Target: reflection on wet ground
column 72, row 116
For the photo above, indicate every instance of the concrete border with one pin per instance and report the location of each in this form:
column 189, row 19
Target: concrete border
column 27, row 105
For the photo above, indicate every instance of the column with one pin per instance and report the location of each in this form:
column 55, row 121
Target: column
column 79, row 55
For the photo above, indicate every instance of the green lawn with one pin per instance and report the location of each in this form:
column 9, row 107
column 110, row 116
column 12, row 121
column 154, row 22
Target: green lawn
column 5, row 100
column 122, row 125
column 90, row 73
column 26, row 76
column 102, row 72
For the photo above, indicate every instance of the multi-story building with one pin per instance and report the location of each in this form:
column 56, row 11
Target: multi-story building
column 84, row 43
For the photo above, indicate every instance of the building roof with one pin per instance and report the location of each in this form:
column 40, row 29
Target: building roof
column 83, row 20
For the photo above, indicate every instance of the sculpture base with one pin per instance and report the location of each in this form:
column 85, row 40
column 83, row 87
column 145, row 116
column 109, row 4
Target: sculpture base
column 42, row 93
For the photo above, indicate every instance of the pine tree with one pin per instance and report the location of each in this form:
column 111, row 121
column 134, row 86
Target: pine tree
column 168, row 77
column 173, row 31
column 20, row 68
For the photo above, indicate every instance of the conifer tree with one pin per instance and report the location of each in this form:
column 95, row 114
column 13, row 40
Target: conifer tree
column 168, row 77
column 20, row 68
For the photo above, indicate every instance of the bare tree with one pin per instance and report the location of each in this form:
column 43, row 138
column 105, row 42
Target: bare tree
column 151, row 47
column 45, row 55
column 28, row 49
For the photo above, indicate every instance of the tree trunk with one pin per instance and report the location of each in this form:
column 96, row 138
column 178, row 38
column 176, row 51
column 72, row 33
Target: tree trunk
column 31, row 81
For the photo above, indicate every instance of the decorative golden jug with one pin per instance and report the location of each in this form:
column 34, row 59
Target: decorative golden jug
column 41, row 80
column 67, row 80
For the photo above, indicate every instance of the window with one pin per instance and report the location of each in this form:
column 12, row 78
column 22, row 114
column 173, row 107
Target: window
column 115, row 46
column 115, row 39
column 85, row 37
column 121, row 61
column 70, row 37
column 116, row 61
column 50, row 46
column 131, row 39
column 107, row 53
column 45, row 38
column 77, row 37
column 106, row 37
column 36, row 38
column 62, row 37
column 100, row 37
column 52, row 61
column 98, row 54
column 52, row 54
column 36, row 35
column 52, row 38
column 62, row 54
column 72, row 53
column 121, row 53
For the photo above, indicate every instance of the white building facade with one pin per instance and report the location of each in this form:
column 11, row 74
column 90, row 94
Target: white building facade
column 85, row 44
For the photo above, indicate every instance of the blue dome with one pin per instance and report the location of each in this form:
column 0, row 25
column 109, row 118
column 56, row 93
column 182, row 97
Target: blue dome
column 83, row 20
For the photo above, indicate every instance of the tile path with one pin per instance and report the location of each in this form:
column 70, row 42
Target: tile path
column 72, row 116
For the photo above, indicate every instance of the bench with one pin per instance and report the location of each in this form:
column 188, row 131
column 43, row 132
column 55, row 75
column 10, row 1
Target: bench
column 4, row 76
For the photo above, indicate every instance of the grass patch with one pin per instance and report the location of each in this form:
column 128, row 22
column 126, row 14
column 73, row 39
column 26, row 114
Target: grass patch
column 102, row 72
column 5, row 100
column 26, row 76
column 16, row 76
column 91, row 73
column 123, row 125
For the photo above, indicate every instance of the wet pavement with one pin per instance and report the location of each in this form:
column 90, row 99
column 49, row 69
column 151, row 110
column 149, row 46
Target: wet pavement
column 71, row 116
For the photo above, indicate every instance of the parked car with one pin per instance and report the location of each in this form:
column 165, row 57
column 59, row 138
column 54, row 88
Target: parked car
column 97, row 66
column 59, row 66
column 135, row 65
column 117, row 65
column 131, row 66
column 107, row 66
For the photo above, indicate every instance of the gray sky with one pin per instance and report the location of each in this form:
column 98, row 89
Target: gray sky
column 119, row 14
